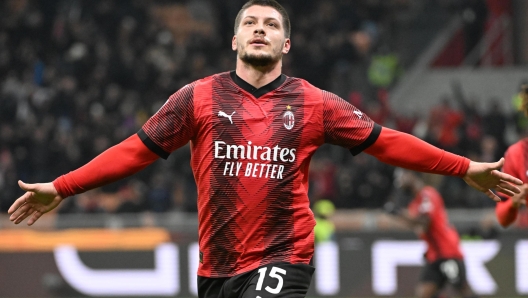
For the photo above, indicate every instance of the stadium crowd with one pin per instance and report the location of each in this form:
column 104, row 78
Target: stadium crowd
column 77, row 77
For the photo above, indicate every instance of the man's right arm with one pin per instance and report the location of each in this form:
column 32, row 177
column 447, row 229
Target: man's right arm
column 117, row 162
column 167, row 130
column 121, row 160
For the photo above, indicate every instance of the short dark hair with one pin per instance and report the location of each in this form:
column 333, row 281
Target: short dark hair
column 271, row 3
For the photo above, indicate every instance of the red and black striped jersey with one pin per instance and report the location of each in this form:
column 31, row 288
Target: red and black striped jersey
column 515, row 164
column 516, row 160
column 442, row 239
column 250, row 153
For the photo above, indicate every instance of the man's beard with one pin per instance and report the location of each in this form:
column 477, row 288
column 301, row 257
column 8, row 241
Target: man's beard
column 259, row 60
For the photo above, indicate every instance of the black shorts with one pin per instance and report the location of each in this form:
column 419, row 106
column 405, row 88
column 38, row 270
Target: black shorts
column 274, row 280
column 452, row 271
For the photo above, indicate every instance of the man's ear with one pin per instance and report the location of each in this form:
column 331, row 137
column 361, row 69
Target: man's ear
column 287, row 46
column 234, row 43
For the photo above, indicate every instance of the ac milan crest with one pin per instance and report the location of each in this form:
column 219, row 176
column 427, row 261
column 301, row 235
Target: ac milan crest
column 288, row 118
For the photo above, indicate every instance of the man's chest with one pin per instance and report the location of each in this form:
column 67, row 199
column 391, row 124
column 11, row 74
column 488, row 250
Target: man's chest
column 264, row 121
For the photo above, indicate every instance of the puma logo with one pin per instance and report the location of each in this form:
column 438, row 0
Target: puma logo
column 358, row 113
column 222, row 114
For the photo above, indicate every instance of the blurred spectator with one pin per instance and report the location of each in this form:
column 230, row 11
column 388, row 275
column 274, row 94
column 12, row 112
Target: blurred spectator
column 494, row 124
column 444, row 123
column 519, row 119
column 324, row 230
column 474, row 15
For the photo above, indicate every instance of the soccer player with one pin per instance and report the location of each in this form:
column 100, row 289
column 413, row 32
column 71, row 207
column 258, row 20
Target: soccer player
column 252, row 132
column 515, row 163
column 427, row 216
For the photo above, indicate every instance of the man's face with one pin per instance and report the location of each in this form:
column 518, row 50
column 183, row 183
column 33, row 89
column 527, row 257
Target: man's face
column 260, row 39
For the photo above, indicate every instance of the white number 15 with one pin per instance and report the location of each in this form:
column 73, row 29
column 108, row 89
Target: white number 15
column 274, row 273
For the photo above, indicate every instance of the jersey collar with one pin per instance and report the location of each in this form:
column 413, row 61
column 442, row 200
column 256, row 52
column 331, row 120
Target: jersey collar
column 260, row 91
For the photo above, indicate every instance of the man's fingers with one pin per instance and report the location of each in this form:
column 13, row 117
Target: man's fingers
column 497, row 165
column 19, row 212
column 19, row 202
column 507, row 177
column 508, row 189
column 492, row 196
column 507, row 192
column 34, row 218
column 24, row 216
column 26, row 186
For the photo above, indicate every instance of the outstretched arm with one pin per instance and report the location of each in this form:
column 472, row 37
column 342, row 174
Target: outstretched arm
column 406, row 151
column 119, row 161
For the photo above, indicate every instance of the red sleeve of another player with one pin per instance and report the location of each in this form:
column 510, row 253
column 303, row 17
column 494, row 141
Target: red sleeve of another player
column 347, row 126
column 119, row 161
column 407, row 151
column 506, row 213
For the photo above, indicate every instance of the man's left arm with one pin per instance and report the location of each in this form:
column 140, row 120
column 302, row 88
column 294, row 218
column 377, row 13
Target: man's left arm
column 407, row 151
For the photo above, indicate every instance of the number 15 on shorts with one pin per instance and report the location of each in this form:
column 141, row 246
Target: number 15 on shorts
column 275, row 273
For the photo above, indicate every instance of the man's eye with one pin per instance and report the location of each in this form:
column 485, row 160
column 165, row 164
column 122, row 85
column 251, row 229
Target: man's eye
column 248, row 22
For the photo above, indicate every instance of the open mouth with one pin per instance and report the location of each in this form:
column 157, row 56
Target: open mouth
column 258, row 42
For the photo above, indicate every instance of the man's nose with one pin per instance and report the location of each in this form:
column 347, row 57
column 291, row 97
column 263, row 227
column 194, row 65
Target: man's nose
column 259, row 31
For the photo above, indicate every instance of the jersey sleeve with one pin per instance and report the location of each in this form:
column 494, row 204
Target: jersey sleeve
column 173, row 124
column 407, row 151
column 115, row 163
column 347, row 126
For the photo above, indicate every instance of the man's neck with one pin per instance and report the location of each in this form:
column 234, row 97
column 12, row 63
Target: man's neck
column 258, row 76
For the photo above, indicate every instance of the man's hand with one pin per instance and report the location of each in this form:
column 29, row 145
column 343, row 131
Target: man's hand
column 38, row 199
column 484, row 176
column 519, row 199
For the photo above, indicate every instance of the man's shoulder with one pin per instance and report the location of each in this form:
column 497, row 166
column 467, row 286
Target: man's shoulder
column 311, row 94
column 221, row 76
column 302, row 82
